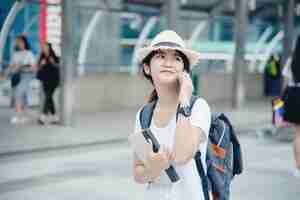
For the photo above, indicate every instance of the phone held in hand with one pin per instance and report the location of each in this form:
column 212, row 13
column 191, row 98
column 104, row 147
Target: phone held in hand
column 139, row 145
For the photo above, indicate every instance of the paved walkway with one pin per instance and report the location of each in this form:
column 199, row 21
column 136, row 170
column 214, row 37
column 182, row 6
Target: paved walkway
column 104, row 127
column 105, row 172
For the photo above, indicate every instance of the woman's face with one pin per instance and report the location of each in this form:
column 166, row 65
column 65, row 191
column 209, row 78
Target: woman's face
column 45, row 48
column 20, row 44
column 165, row 67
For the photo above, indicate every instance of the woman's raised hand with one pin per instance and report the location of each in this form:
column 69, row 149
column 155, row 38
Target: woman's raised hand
column 186, row 88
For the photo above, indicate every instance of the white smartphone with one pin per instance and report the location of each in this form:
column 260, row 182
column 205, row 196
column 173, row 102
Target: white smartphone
column 139, row 145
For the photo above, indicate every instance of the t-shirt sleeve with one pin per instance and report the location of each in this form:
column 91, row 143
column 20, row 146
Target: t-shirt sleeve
column 201, row 116
column 137, row 126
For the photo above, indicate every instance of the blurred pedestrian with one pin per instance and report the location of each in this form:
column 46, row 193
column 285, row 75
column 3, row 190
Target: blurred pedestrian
column 272, row 77
column 48, row 74
column 22, row 69
column 167, row 64
column 292, row 99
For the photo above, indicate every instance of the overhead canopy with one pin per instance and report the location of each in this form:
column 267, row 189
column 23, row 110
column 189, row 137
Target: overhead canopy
column 263, row 8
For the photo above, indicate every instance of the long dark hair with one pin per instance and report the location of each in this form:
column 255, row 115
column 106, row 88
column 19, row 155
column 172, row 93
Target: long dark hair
column 186, row 66
column 25, row 41
column 47, row 57
column 296, row 62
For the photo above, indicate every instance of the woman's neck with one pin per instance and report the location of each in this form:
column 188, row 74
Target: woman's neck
column 167, row 96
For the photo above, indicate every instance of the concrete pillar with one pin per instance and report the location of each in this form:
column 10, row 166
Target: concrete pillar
column 67, row 65
column 289, row 29
column 172, row 13
column 239, row 68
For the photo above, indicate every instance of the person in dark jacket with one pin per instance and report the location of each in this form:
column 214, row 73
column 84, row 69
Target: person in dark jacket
column 48, row 74
column 292, row 99
column 272, row 77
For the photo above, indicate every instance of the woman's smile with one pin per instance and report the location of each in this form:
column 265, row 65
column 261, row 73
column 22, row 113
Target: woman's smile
column 167, row 70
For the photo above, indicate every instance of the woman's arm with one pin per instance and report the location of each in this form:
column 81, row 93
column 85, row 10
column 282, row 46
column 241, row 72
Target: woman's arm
column 150, row 170
column 12, row 65
column 286, row 74
column 284, row 85
column 139, row 172
column 10, row 69
column 187, row 140
column 188, row 136
column 32, row 62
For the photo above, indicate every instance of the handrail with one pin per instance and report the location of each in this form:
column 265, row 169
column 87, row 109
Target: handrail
column 259, row 46
column 85, row 41
column 277, row 38
column 141, row 40
column 18, row 5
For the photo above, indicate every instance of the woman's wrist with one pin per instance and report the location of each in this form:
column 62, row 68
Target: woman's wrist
column 185, row 101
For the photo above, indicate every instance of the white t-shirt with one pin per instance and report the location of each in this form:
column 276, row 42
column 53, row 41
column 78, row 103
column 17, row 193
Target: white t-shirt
column 189, row 186
column 23, row 57
column 287, row 73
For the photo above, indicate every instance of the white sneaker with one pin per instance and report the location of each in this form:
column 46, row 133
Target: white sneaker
column 18, row 120
column 14, row 120
column 42, row 120
column 54, row 119
column 296, row 173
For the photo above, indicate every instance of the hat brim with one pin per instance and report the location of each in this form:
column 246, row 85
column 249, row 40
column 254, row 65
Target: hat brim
column 192, row 56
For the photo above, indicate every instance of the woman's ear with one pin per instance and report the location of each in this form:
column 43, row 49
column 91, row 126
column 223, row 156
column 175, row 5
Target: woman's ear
column 147, row 69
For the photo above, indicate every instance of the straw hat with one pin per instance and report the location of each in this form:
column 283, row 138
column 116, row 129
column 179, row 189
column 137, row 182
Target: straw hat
column 168, row 39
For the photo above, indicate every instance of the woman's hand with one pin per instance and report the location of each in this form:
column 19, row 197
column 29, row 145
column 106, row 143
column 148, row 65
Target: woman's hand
column 157, row 162
column 43, row 62
column 186, row 88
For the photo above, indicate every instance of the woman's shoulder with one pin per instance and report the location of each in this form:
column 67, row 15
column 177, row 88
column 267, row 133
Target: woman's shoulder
column 201, row 107
column 201, row 102
column 138, row 112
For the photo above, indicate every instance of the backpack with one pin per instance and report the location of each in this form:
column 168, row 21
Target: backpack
column 223, row 157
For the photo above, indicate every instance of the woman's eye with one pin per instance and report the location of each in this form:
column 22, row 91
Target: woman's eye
column 178, row 58
column 160, row 56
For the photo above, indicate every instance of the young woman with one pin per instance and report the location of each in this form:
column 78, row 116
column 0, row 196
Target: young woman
column 48, row 74
column 167, row 64
column 292, row 99
column 23, row 69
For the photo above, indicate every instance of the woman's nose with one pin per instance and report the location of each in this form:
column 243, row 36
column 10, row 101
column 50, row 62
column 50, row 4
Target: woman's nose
column 168, row 62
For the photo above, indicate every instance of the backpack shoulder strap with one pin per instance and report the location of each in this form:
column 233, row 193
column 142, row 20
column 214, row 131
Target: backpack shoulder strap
column 199, row 165
column 146, row 115
column 203, row 175
column 193, row 100
column 147, row 112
